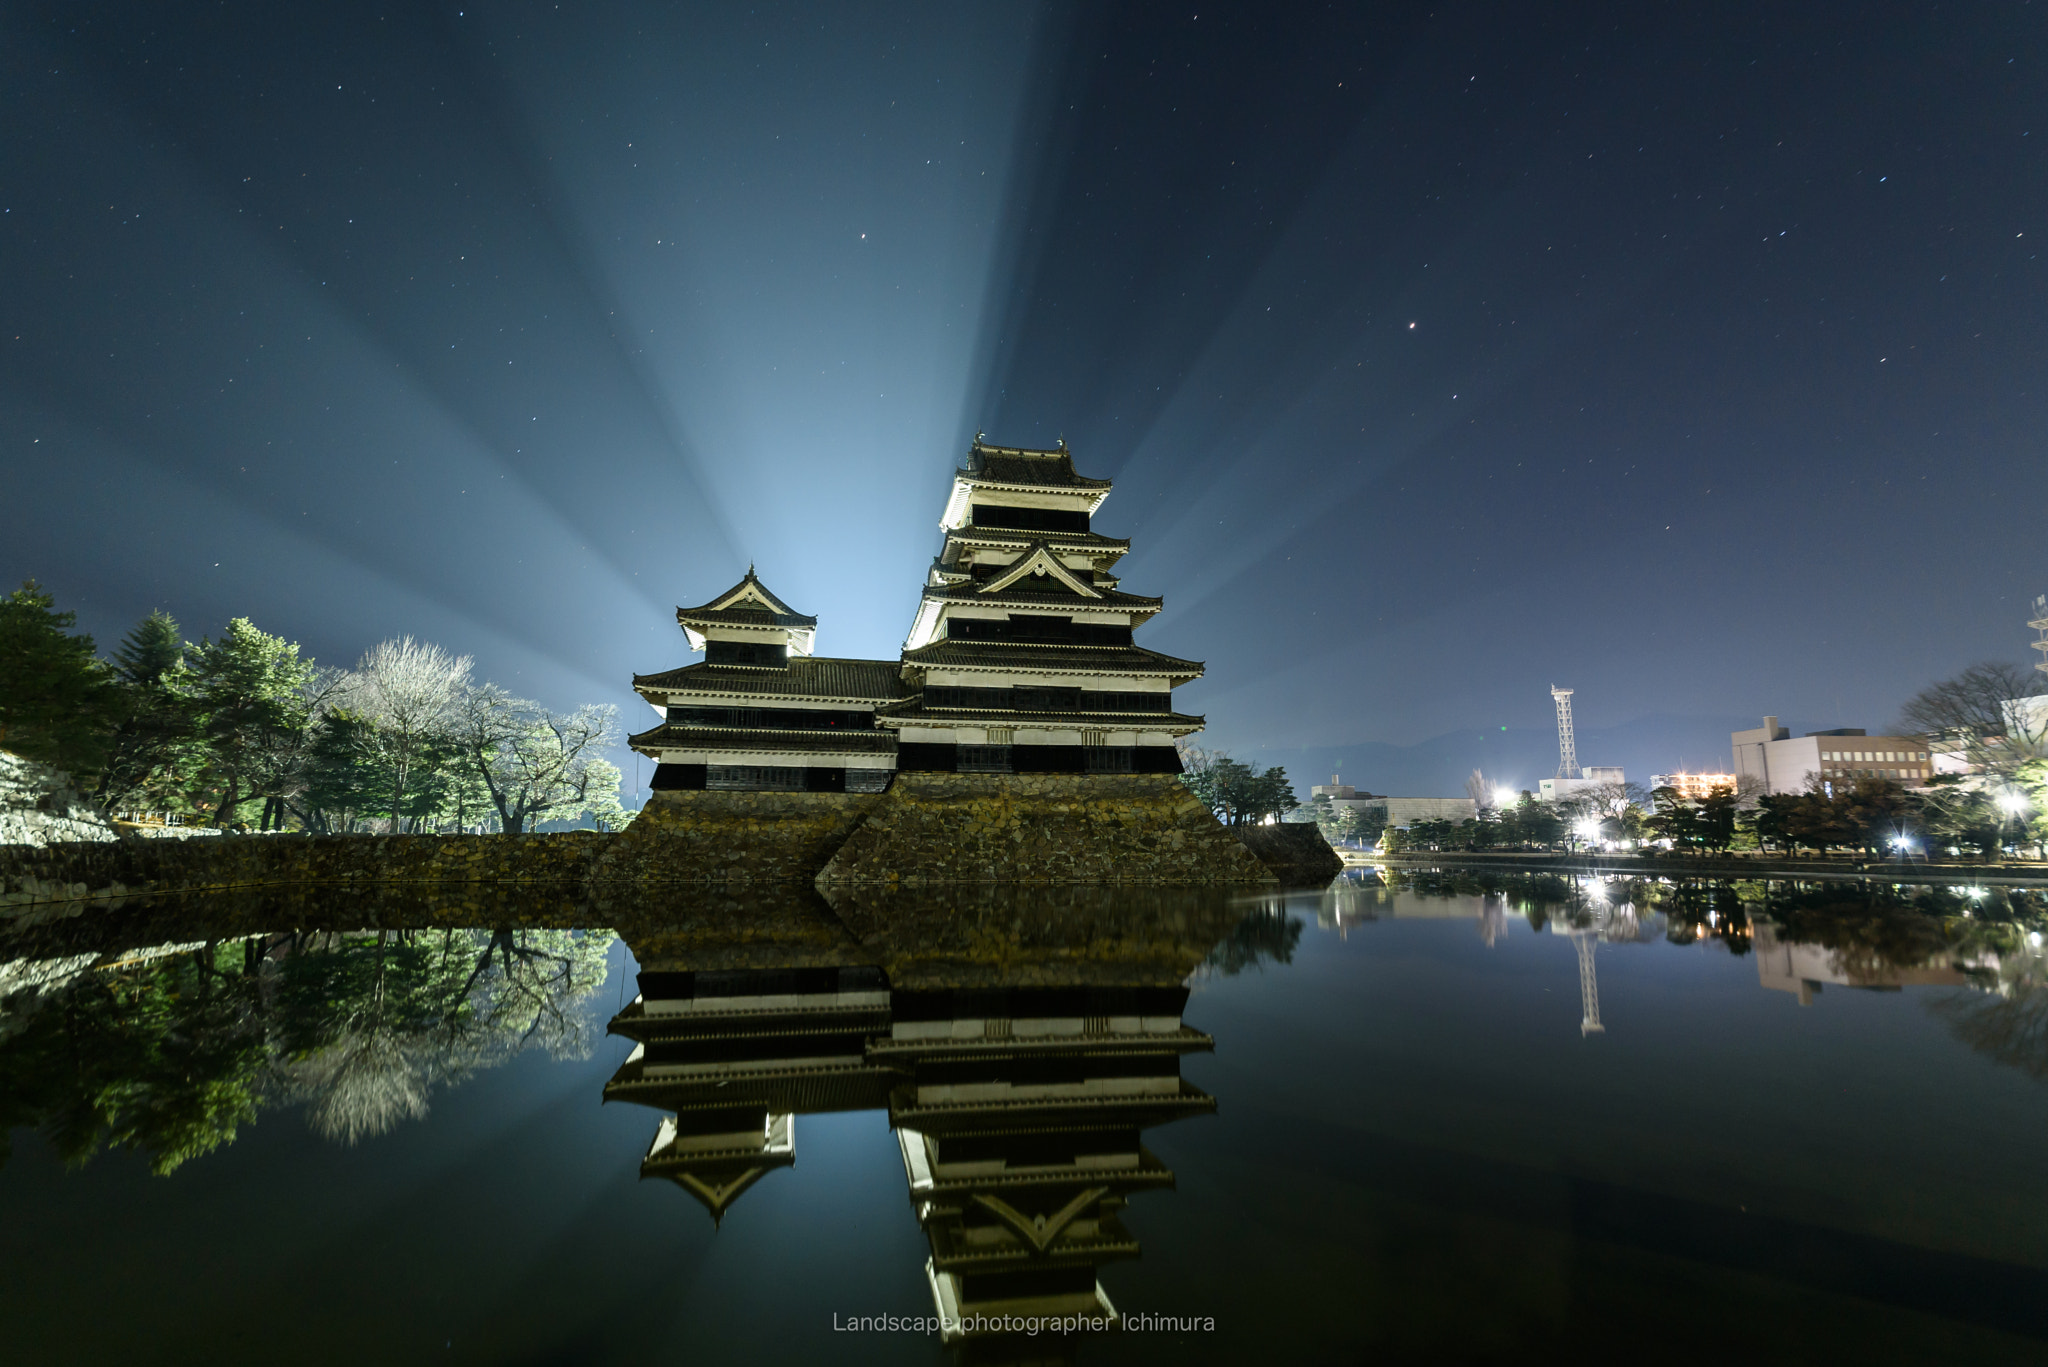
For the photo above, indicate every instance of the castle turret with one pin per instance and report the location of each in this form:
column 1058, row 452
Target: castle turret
column 761, row 711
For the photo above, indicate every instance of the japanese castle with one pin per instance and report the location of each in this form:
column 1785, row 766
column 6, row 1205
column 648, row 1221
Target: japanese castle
column 1019, row 660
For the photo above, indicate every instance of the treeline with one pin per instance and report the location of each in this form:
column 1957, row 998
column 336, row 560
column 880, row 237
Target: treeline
column 1878, row 816
column 1239, row 794
column 1872, row 815
column 1875, row 816
column 243, row 732
column 1528, row 825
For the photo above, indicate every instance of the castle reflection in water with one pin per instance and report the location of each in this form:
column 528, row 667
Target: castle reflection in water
column 1021, row 1049
column 1022, row 1042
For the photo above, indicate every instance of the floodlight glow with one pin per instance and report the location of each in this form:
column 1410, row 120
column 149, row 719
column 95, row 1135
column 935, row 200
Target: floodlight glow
column 1503, row 797
column 2013, row 803
column 1588, row 829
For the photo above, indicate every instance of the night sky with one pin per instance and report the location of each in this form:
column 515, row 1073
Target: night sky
column 1689, row 357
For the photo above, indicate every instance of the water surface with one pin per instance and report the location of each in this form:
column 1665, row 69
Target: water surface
column 1446, row 1120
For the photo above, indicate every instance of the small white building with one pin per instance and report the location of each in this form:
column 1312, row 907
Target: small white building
column 1595, row 776
column 1395, row 811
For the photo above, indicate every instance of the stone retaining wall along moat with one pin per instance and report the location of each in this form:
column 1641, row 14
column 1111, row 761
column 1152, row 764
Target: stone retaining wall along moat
column 927, row 829
column 1042, row 828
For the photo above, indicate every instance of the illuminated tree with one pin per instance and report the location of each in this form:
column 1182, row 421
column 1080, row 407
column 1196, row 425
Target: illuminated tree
column 536, row 764
column 412, row 691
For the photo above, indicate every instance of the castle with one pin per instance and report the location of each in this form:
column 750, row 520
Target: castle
column 1021, row 736
column 1020, row 660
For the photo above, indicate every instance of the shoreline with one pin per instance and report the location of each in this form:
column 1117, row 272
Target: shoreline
column 1820, row 870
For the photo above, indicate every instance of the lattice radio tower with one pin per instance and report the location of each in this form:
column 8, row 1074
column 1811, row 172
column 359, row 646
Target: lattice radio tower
column 2040, row 624
column 1567, row 748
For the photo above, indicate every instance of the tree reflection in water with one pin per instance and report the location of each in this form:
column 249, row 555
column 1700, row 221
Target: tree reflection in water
column 1266, row 934
column 167, row 1052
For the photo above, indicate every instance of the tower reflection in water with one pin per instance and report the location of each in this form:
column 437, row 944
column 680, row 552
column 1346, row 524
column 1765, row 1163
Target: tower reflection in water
column 1021, row 1045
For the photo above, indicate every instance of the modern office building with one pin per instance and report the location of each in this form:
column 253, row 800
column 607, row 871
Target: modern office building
column 1782, row 763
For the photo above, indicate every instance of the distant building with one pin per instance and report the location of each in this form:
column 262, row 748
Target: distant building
column 1694, row 787
column 1334, row 790
column 1594, row 776
column 2026, row 723
column 1782, row 764
column 1395, row 811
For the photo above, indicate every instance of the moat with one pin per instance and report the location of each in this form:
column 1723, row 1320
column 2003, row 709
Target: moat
column 1440, row 1117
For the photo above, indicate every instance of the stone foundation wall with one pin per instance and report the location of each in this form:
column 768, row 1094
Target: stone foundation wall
column 1295, row 851
column 42, row 873
column 699, row 836
column 1041, row 829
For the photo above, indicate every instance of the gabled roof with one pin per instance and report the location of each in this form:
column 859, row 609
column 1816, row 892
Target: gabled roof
column 1021, row 466
column 1039, row 561
column 747, row 603
column 809, row 678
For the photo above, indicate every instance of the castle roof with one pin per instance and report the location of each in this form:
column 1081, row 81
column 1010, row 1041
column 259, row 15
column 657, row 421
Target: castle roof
column 1018, row 657
column 975, row 534
column 747, row 603
column 1040, row 592
column 764, row 739
column 916, row 709
column 1022, row 467
column 811, row 678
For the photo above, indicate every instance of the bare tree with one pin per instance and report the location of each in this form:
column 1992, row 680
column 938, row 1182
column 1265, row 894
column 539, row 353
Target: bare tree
column 410, row 689
column 534, row 762
column 1983, row 712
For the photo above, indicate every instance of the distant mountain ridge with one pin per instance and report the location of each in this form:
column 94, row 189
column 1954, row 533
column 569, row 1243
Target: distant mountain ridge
column 1438, row 767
